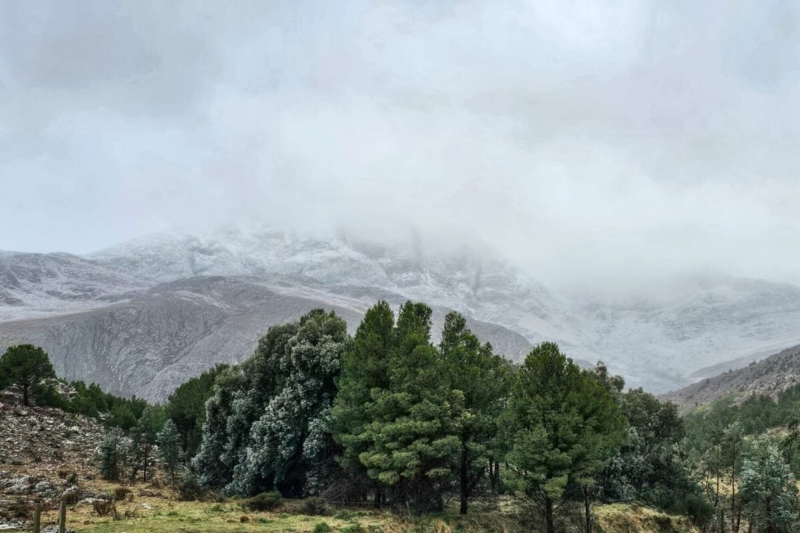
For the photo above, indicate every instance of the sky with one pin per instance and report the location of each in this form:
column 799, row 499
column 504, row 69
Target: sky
column 598, row 142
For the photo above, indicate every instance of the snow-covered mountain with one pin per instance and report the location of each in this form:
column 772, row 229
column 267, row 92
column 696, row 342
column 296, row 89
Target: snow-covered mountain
column 143, row 316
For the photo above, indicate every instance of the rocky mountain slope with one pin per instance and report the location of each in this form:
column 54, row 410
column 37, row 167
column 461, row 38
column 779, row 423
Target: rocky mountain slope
column 153, row 341
column 144, row 316
column 45, row 454
column 769, row 377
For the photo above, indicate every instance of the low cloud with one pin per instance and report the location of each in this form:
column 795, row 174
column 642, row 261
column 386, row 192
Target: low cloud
column 607, row 144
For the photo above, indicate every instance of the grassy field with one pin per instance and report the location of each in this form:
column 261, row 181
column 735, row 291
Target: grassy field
column 157, row 512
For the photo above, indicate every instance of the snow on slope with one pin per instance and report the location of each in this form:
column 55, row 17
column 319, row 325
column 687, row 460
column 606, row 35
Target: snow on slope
column 483, row 289
column 655, row 344
column 721, row 319
column 42, row 284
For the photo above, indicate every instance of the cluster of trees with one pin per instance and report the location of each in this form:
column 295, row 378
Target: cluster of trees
column 747, row 458
column 139, row 429
column 389, row 416
column 392, row 417
column 28, row 368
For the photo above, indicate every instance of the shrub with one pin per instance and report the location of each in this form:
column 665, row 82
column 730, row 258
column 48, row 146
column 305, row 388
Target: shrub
column 71, row 498
column 189, row 488
column 698, row 509
column 353, row 528
column 313, row 507
column 321, row 527
column 121, row 493
column 104, row 507
column 266, row 501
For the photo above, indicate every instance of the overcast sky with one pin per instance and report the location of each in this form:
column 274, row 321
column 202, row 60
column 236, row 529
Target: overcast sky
column 599, row 140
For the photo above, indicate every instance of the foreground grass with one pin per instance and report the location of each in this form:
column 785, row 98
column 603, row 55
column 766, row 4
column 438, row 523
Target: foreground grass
column 159, row 512
column 163, row 515
column 626, row 518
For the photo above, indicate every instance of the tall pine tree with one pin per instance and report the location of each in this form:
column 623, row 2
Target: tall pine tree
column 484, row 380
column 564, row 426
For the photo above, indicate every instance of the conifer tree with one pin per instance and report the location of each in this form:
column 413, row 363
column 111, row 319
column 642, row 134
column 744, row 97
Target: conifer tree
column 144, row 437
column 405, row 435
column 169, row 448
column 25, row 366
column 769, row 489
column 265, row 425
column 484, row 380
column 565, row 425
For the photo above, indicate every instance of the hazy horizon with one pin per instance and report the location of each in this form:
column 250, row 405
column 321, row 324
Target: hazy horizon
column 612, row 144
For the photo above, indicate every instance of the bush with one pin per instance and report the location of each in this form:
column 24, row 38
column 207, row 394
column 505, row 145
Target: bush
column 189, row 488
column 121, row 493
column 322, row 527
column 104, row 507
column 313, row 507
column 698, row 509
column 353, row 528
column 46, row 395
column 266, row 501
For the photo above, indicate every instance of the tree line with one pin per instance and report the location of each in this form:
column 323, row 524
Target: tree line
column 392, row 418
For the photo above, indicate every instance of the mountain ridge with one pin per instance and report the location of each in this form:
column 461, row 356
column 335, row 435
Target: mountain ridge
column 658, row 344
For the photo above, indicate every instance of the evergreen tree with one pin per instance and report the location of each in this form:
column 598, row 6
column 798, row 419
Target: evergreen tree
column 25, row 365
column 265, row 424
column 365, row 367
column 169, row 448
column 484, row 380
column 652, row 465
column 404, row 432
column 769, row 489
column 289, row 445
column 121, row 417
column 144, row 437
column 213, row 462
column 186, row 407
column 565, row 425
column 111, row 456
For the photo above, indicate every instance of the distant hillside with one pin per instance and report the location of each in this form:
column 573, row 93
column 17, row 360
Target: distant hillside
column 769, row 377
column 152, row 342
column 148, row 314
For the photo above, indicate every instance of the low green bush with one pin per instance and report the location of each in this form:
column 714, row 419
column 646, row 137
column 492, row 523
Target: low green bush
column 266, row 501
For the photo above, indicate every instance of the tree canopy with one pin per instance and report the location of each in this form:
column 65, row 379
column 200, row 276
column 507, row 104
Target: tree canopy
column 25, row 365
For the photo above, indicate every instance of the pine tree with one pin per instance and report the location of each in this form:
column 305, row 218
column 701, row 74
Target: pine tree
column 186, row 407
column 564, row 426
column 365, row 366
column 25, row 366
column 768, row 488
column 405, row 433
column 144, row 437
column 169, row 448
column 111, row 456
column 484, row 380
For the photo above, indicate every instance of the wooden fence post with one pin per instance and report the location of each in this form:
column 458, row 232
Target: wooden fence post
column 37, row 517
column 62, row 517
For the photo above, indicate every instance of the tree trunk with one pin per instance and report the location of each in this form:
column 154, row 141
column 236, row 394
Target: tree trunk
column 376, row 502
column 464, row 481
column 734, row 524
column 587, row 503
column 494, row 476
column 548, row 515
column 144, row 470
column 25, row 395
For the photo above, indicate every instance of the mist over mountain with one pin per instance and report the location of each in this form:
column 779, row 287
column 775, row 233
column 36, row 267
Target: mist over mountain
column 143, row 316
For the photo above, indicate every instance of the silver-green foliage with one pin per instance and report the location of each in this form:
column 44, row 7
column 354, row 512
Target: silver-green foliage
column 265, row 425
column 769, row 489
